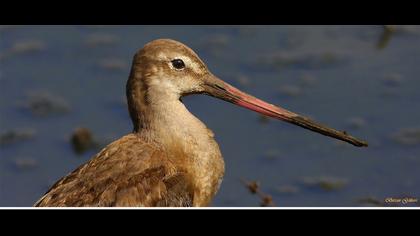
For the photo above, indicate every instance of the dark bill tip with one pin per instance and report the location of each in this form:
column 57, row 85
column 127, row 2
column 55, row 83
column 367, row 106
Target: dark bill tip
column 322, row 129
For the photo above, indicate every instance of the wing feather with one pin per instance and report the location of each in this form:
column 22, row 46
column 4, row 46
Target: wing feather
column 123, row 174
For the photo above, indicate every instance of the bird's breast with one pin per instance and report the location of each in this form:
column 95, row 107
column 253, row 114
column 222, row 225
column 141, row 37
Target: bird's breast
column 200, row 156
column 191, row 146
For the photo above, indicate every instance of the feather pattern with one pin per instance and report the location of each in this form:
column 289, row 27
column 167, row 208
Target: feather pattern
column 122, row 176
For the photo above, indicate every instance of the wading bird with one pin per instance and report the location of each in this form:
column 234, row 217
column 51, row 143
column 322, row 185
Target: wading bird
column 171, row 157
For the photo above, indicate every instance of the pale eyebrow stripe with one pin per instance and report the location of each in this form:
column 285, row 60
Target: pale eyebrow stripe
column 188, row 62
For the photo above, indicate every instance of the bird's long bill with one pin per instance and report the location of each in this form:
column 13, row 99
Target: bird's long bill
column 222, row 90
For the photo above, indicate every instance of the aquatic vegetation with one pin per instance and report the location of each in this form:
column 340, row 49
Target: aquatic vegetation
column 266, row 200
column 44, row 104
column 26, row 163
column 407, row 136
column 386, row 36
column 82, row 140
column 15, row 136
column 370, row 201
column 23, row 47
column 27, row 46
column 326, row 183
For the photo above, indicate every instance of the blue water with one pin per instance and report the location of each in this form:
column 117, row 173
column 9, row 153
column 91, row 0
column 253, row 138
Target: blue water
column 331, row 73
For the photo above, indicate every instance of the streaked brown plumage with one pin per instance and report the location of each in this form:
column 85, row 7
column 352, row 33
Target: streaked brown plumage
column 128, row 172
column 171, row 158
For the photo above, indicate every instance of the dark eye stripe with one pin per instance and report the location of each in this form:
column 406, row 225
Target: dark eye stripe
column 178, row 64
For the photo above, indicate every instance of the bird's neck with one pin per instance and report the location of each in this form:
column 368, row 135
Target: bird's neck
column 170, row 120
column 160, row 117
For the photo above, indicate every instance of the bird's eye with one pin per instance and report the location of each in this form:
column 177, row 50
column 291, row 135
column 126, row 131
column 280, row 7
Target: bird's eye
column 178, row 64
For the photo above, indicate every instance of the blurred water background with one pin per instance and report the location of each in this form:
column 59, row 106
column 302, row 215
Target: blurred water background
column 362, row 79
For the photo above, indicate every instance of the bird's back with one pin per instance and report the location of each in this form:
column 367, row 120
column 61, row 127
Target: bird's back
column 128, row 172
